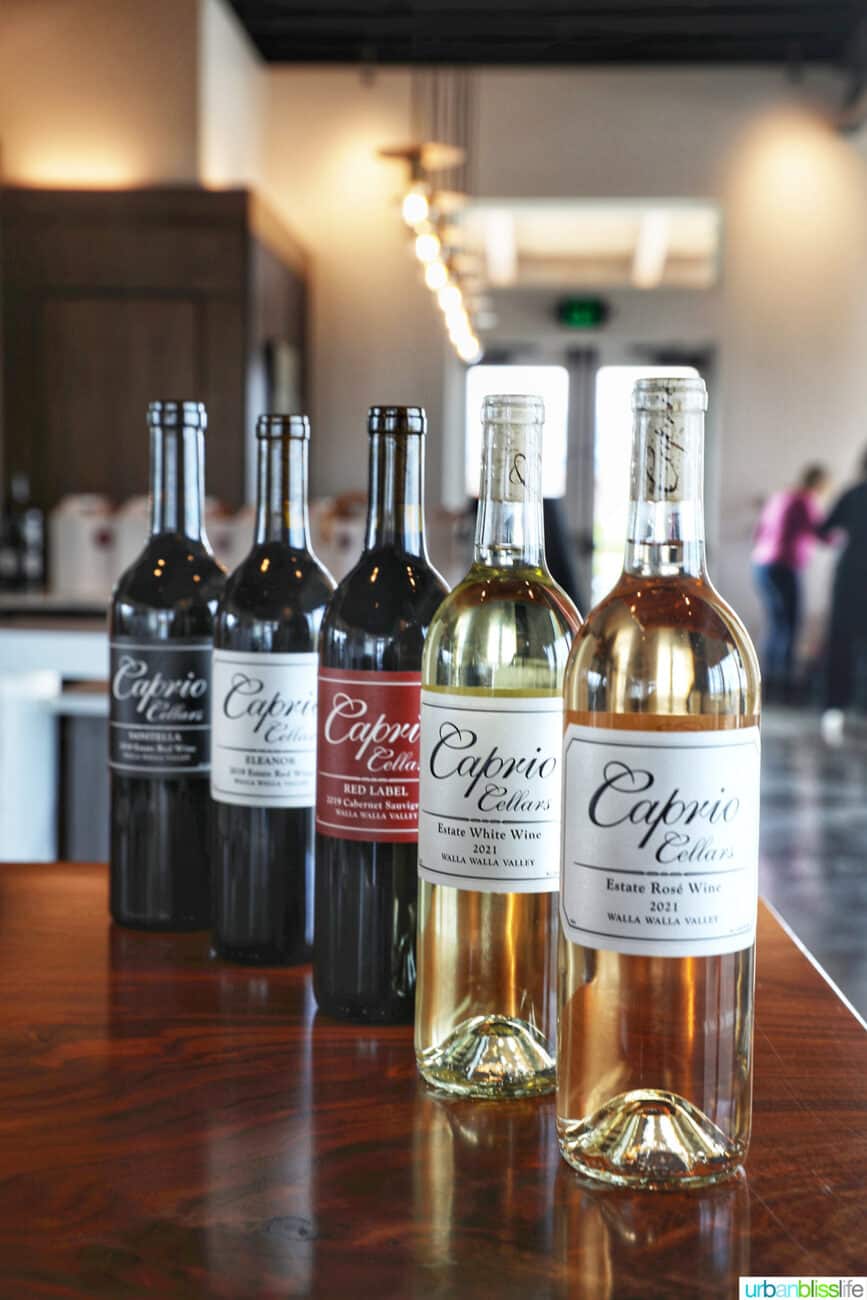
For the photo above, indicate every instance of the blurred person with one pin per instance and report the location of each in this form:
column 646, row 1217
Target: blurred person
column 784, row 540
column 847, row 632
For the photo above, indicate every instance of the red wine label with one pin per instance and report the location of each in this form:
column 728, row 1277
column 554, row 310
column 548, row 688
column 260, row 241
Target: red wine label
column 660, row 840
column 368, row 755
column 160, row 707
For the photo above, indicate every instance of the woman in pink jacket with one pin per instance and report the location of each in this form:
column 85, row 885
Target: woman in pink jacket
column 783, row 543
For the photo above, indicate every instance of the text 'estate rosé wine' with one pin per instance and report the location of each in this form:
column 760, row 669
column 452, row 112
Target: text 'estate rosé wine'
column 263, row 771
column 161, row 637
column 368, row 738
column 660, row 845
column 491, row 776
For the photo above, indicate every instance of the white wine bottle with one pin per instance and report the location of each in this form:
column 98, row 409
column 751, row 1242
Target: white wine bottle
column 660, row 841
column 490, row 788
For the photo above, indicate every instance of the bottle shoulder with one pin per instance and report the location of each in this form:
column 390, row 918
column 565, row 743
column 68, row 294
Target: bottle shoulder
column 486, row 592
column 272, row 577
column 670, row 645
column 501, row 630
column 273, row 601
column 687, row 605
column 174, row 583
column 380, row 612
column 387, row 586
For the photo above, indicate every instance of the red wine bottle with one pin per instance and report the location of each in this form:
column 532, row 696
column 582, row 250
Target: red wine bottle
column 263, row 773
column 161, row 637
column 368, row 727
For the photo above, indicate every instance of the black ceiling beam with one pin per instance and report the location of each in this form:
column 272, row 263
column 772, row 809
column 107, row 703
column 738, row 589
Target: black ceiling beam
column 521, row 32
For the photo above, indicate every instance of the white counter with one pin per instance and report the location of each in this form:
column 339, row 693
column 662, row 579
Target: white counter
column 37, row 654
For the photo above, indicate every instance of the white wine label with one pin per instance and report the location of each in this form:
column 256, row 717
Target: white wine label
column 489, row 797
column 264, row 732
column 660, row 840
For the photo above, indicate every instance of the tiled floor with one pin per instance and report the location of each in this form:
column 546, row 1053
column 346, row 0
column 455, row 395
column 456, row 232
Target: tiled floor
column 814, row 844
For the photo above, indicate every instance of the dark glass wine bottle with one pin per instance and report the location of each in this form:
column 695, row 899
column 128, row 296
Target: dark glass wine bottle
column 263, row 774
column 368, row 726
column 161, row 630
column 22, row 539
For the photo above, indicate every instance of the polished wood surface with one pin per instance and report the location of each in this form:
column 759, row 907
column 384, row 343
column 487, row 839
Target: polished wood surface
column 174, row 1127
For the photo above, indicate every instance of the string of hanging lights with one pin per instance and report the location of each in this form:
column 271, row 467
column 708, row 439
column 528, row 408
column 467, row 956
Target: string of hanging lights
column 434, row 195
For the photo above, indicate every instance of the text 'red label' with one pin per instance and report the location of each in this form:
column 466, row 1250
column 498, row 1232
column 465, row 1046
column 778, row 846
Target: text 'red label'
column 368, row 755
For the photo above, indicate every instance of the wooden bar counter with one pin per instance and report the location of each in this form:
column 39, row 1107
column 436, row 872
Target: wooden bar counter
column 174, row 1127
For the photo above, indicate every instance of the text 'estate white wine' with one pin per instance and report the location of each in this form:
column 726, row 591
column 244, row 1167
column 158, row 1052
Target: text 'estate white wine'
column 490, row 788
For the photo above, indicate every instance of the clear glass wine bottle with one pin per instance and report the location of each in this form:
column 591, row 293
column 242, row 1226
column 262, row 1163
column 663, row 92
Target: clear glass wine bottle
column 490, row 784
column 658, row 888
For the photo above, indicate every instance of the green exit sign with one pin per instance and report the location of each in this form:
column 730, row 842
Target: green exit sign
column 582, row 313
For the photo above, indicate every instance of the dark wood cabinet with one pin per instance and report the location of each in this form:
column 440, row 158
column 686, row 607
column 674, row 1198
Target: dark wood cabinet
column 111, row 299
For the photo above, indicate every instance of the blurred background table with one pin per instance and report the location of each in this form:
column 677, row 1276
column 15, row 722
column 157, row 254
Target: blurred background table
column 175, row 1127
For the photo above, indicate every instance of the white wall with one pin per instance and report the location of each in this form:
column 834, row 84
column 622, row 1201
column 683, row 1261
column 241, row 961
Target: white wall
column 790, row 315
column 619, row 132
column 794, row 338
column 377, row 335
column 99, row 92
column 119, row 92
column 233, row 93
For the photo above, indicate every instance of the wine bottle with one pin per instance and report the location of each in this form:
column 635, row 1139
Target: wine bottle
column 263, row 772
column 22, row 539
column 490, row 792
column 660, row 845
column 161, row 637
column 368, row 730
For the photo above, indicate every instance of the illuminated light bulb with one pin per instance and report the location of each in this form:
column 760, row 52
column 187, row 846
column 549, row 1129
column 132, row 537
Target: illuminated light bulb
column 460, row 330
column 415, row 207
column 468, row 350
column 435, row 274
column 427, row 247
column 450, row 297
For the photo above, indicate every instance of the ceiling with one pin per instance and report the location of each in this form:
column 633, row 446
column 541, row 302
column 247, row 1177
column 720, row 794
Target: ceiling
column 557, row 31
column 570, row 244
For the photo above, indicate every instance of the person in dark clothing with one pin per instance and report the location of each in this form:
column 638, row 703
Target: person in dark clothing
column 784, row 541
column 847, row 633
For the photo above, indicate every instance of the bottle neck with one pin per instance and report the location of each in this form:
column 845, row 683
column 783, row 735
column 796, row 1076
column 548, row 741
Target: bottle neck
column 666, row 512
column 395, row 509
column 178, row 482
column 509, row 525
column 281, row 511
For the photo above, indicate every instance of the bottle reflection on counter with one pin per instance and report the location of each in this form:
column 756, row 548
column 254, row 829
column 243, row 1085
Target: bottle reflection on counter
column 469, row 1163
column 613, row 1242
